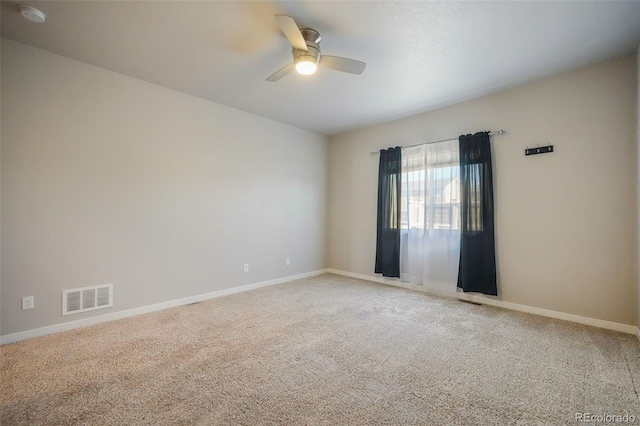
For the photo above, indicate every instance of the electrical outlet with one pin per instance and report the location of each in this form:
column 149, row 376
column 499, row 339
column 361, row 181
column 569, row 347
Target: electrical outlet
column 246, row 267
column 287, row 261
column 27, row 302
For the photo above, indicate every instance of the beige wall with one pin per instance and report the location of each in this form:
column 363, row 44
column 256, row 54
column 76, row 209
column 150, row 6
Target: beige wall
column 565, row 222
column 108, row 179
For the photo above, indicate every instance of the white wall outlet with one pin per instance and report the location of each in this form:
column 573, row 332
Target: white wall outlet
column 27, row 302
column 246, row 267
column 287, row 261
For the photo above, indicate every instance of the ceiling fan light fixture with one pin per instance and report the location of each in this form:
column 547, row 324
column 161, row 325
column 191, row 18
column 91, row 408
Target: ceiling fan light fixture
column 306, row 65
column 305, row 43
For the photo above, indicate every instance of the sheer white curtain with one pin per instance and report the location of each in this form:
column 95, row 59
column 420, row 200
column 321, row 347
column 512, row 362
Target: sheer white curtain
column 430, row 215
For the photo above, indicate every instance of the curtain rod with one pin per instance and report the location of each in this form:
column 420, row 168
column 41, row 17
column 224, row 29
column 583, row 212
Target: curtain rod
column 496, row 133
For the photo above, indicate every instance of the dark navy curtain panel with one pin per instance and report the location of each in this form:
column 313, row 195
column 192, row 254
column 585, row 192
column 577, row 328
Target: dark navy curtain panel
column 388, row 237
column 477, row 270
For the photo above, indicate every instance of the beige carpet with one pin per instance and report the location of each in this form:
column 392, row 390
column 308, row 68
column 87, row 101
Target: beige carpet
column 325, row 350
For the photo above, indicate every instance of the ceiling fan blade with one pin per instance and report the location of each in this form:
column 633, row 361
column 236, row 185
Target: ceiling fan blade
column 291, row 31
column 343, row 64
column 281, row 73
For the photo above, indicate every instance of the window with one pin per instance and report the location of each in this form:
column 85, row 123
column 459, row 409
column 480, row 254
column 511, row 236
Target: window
column 430, row 215
column 430, row 188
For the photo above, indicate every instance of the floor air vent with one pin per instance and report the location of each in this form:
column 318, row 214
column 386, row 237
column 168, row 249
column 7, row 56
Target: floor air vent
column 87, row 299
column 469, row 302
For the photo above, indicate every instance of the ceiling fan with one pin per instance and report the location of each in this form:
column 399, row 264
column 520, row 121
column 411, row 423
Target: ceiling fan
column 306, row 52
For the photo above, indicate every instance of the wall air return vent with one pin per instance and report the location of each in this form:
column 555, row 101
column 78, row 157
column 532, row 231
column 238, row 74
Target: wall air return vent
column 87, row 299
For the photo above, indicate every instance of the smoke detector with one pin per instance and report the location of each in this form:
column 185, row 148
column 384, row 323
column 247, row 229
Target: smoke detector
column 33, row 14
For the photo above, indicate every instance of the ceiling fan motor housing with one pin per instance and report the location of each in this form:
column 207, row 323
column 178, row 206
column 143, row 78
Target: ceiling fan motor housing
column 312, row 39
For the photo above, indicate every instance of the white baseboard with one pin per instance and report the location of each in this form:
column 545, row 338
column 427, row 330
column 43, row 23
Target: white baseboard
column 625, row 328
column 70, row 325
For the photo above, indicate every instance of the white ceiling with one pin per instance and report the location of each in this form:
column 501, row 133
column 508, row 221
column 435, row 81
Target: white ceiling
column 419, row 55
